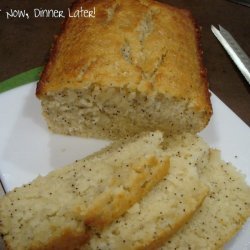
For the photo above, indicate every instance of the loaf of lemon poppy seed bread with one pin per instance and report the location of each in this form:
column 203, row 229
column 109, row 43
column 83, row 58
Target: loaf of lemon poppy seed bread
column 135, row 67
column 58, row 211
column 167, row 207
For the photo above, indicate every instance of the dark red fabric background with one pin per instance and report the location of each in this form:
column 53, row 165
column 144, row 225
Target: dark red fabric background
column 24, row 44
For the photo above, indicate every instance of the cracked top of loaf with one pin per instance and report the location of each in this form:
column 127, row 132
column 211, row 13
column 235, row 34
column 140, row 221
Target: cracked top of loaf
column 139, row 45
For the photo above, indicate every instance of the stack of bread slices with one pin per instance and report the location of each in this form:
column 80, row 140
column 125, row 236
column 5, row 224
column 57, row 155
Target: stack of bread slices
column 133, row 74
column 147, row 192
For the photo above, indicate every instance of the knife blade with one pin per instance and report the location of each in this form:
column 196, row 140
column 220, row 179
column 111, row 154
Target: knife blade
column 242, row 2
column 234, row 50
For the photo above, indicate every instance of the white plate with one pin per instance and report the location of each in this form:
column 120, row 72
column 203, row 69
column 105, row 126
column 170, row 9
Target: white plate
column 28, row 149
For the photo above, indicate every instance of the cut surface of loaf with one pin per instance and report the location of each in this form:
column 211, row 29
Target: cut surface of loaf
column 58, row 211
column 222, row 213
column 135, row 67
column 148, row 223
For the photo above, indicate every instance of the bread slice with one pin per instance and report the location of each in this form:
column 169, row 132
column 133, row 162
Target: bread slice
column 151, row 221
column 223, row 212
column 59, row 210
column 135, row 67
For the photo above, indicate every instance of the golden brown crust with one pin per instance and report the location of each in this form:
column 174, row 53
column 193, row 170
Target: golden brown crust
column 67, row 241
column 41, row 86
column 165, row 57
column 203, row 71
column 52, row 57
